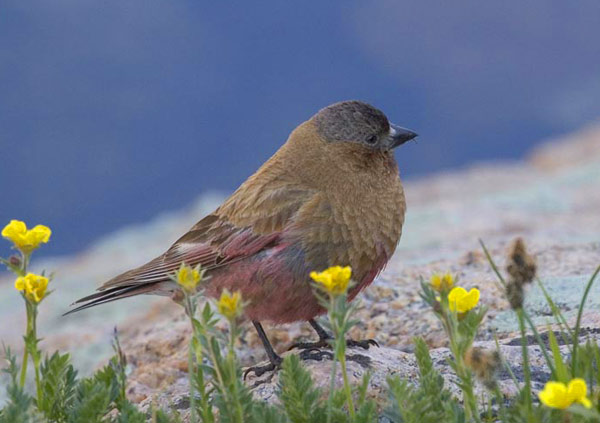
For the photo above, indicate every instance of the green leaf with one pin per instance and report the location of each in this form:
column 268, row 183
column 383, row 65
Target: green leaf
column 58, row 382
column 492, row 264
column 19, row 405
column 561, row 369
column 588, row 287
column 264, row 413
column 558, row 315
column 427, row 403
column 160, row 416
column 366, row 412
column 91, row 403
column 423, row 358
column 362, row 389
column 128, row 413
column 588, row 413
column 299, row 397
column 541, row 344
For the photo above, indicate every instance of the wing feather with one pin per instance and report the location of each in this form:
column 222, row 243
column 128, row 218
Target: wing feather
column 245, row 225
column 240, row 243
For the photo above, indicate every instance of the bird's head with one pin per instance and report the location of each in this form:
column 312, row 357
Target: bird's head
column 360, row 123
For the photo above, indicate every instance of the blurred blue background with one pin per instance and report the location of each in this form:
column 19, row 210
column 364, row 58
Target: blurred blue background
column 113, row 111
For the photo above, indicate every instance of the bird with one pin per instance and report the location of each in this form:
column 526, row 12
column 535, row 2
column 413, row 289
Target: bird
column 331, row 195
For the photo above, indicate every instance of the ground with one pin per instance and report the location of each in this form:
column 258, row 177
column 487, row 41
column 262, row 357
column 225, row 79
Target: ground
column 551, row 199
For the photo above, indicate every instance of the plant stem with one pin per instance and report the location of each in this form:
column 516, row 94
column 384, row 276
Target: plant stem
column 25, row 350
column 331, row 388
column 347, row 387
column 526, row 369
column 559, row 317
column 216, row 365
column 492, row 263
column 340, row 335
column 232, row 369
column 469, row 399
column 334, row 361
column 21, row 272
column 500, row 400
column 540, row 342
column 205, row 409
column 206, row 415
column 578, row 323
column 35, row 355
column 462, row 371
column 191, row 379
column 23, row 369
column 189, row 310
column 505, row 364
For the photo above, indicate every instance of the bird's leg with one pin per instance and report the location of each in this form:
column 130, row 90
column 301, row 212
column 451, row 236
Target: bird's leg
column 325, row 338
column 275, row 360
column 323, row 335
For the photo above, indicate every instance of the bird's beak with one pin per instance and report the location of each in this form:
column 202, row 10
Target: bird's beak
column 399, row 136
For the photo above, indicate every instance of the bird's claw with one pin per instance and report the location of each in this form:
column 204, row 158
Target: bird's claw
column 323, row 343
column 364, row 344
column 261, row 370
column 315, row 354
column 326, row 343
column 318, row 355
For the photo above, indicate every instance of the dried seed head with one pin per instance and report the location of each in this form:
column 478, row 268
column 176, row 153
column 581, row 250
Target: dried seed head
column 521, row 266
column 515, row 295
column 485, row 364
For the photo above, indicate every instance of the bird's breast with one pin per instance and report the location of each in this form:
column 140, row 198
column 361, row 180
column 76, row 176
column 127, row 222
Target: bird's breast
column 354, row 221
column 373, row 227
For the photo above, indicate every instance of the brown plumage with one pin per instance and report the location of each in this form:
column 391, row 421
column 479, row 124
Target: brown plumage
column 330, row 196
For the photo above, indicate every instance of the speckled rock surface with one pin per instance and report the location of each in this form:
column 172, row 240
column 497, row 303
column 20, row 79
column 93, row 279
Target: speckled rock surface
column 381, row 363
column 384, row 362
column 551, row 199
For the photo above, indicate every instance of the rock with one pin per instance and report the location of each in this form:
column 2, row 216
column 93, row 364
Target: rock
column 552, row 201
column 381, row 363
column 576, row 149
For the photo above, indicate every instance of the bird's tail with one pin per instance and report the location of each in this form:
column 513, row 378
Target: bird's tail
column 151, row 278
column 113, row 294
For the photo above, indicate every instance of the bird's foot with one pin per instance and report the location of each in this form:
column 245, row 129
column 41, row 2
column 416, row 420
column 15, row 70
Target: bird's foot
column 326, row 343
column 261, row 370
column 364, row 344
column 321, row 343
column 315, row 354
column 319, row 355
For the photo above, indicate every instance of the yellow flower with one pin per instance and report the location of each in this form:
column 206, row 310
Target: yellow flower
column 559, row 395
column 188, row 278
column 33, row 286
column 442, row 282
column 462, row 301
column 230, row 305
column 24, row 239
column 334, row 280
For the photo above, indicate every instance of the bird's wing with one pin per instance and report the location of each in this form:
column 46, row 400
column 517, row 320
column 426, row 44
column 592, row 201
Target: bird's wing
column 217, row 245
column 239, row 229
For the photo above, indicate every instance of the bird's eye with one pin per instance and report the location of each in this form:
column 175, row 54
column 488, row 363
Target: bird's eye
column 372, row 139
